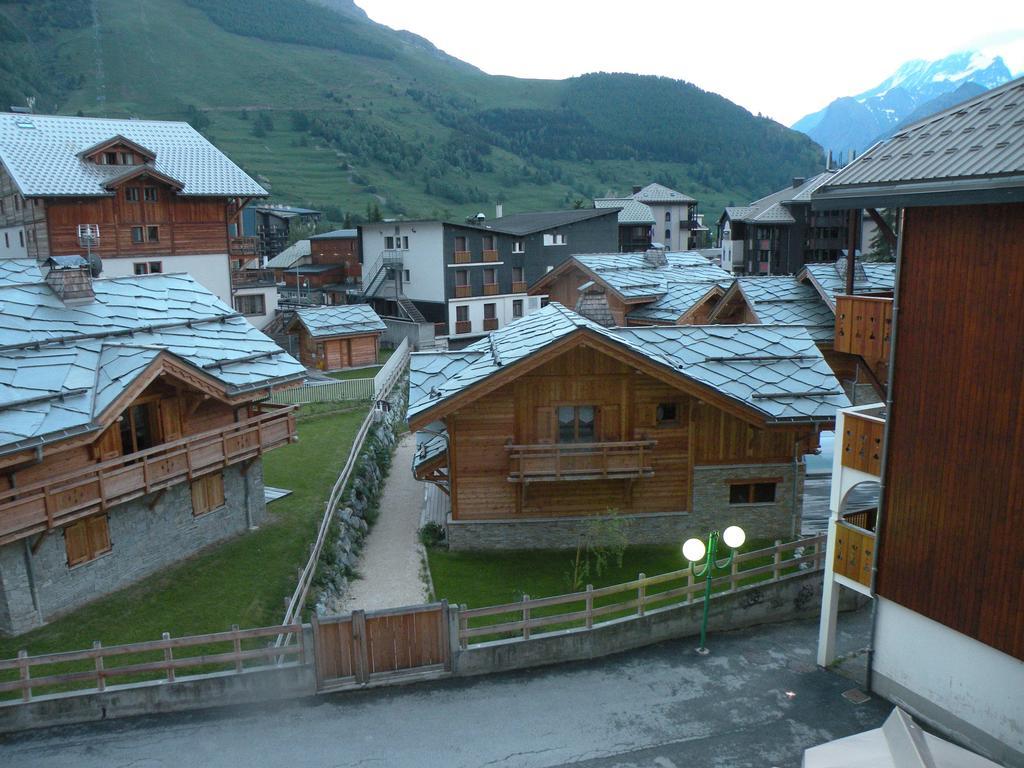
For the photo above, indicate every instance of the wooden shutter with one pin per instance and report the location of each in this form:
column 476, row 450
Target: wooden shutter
column 170, row 419
column 215, row 490
column 98, row 534
column 76, row 542
column 647, row 415
column 207, row 493
column 545, row 425
column 108, row 446
column 608, row 417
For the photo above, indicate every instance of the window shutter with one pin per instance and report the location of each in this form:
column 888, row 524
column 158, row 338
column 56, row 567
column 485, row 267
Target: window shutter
column 215, row 490
column 98, row 535
column 545, row 426
column 76, row 542
column 170, row 419
column 108, row 446
column 610, row 423
column 647, row 415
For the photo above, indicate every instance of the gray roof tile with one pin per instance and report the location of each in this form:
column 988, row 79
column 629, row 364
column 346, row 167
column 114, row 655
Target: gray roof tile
column 658, row 193
column 633, row 211
column 878, row 277
column 345, row 320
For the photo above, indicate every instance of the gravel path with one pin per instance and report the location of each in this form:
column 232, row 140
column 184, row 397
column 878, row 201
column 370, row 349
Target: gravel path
column 390, row 562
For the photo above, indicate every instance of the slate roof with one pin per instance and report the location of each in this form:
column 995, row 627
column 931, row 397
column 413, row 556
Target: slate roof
column 971, row 152
column 781, row 300
column 772, row 209
column 776, row 370
column 658, row 193
column 41, row 152
column 633, row 211
column 60, row 366
column 678, row 299
column 870, row 277
column 345, row 320
column 291, row 255
column 19, row 272
column 538, row 221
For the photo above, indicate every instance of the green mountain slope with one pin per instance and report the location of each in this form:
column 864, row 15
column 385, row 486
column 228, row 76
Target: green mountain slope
column 329, row 109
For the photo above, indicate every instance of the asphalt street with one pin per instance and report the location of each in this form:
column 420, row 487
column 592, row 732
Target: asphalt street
column 757, row 700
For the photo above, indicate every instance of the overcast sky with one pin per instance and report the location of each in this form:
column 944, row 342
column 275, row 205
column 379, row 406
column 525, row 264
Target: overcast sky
column 783, row 59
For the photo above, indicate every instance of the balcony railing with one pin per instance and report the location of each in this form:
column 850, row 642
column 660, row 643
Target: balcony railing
column 855, row 547
column 490, row 323
column 580, row 461
column 243, row 246
column 463, row 291
column 490, row 255
column 862, row 442
column 490, row 289
column 67, row 496
column 462, row 257
column 863, row 326
column 252, row 278
column 519, row 286
column 463, row 326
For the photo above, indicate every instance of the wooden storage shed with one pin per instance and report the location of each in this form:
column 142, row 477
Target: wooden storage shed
column 332, row 338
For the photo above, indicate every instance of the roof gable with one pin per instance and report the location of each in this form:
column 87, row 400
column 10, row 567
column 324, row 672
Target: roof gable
column 659, row 193
column 133, row 172
column 116, row 143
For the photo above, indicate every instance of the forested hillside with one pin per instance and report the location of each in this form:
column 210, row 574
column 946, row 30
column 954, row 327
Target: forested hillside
column 329, row 109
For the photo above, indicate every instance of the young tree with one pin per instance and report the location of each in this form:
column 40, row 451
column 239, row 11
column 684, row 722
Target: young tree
column 879, row 248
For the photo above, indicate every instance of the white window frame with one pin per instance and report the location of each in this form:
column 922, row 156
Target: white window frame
column 518, row 246
column 554, row 238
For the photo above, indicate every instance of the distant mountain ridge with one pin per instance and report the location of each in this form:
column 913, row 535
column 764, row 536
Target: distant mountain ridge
column 915, row 90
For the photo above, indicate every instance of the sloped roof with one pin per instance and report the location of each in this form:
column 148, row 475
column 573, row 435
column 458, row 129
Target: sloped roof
column 337, row 234
column 678, row 299
column 19, row 272
column 60, row 366
column 829, row 281
column 781, row 300
column 971, row 152
column 291, row 255
column 771, row 209
column 658, row 193
column 345, row 320
column 538, row 221
column 634, row 276
column 633, row 211
column 41, row 152
column 778, row 372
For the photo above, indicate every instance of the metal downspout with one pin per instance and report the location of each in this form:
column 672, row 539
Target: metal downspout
column 796, row 472
column 879, row 515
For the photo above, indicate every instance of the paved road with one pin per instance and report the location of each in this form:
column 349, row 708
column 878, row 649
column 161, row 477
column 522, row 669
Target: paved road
column 390, row 564
column 757, row 700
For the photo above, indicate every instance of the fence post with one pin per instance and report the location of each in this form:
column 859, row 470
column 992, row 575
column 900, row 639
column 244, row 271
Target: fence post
column 689, row 586
column 776, row 571
column 101, row 682
column 641, row 594
column 526, row 617
column 23, row 671
column 237, row 643
column 590, row 606
column 463, row 626
column 168, row 657
column 733, row 571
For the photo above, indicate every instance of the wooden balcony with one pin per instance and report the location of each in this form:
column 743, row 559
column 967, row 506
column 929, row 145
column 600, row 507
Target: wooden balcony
column 490, row 289
column 243, row 246
column 490, row 255
column 519, row 286
column 463, row 291
column 462, row 257
column 864, row 326
column 580, row 461
column 862, row 442
column 68, row 496
column 252, row 278
column 855, row 547
column 463, row 326
column 490, row 323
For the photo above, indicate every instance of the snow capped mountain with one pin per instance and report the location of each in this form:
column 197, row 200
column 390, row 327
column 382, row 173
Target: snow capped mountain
column 917, row 89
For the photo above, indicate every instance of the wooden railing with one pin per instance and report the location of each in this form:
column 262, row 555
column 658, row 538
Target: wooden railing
column 490, row 256
column 243, row 246
column 461, row 257
column 863, row 326
column 252, row 278
column 65, row 497
column 97, row 669
column 490, row 323
column 519, row 286
column 463, row 326
column 518, row 620
column 490, row 289
column 463, row 291
column 580, row 461
column 862, row 443
column 854, row 552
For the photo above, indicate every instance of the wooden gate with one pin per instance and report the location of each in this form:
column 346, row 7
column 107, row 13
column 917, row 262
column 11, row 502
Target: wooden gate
column 381, row 646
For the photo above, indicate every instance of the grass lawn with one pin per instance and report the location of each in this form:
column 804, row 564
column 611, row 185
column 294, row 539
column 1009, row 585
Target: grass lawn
column 243, row 581
column 364, row 373
column 479, row 579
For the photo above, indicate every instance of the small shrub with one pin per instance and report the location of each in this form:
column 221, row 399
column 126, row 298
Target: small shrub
column 432, row 534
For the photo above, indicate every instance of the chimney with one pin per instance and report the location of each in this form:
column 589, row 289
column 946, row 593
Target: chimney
column 797, row 181
column 498, row 210
column 70, row 277
column 655, row 259
column 636, row 188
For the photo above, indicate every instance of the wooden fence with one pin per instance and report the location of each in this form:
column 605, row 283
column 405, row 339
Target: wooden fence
column 170, row 661
column 349, row 389
column 582, row 609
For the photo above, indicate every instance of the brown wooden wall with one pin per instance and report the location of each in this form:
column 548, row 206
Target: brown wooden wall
column 187, row 225
column 565, row 290
column 337, row 353
column 523, row 412
column 341, row 251
column 951, row 544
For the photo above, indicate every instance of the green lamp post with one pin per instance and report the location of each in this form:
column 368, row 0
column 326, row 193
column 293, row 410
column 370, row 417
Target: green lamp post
column 693, row 550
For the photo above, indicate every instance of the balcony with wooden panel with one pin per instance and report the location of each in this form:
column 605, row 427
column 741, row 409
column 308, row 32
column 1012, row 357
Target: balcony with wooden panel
column 490, row 255
column 580, row 461
column 855, row 546
column 864, row 326
column 243, row 247
column 862, row 437
column 463, row 291
column 65, row 497
column 463, row 326
column 518, row 286
column 461, row 257
column 490, row 323
column 490, row 289
column 252, row 278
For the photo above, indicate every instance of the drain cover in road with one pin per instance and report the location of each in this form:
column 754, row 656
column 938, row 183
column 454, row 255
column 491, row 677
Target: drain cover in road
column 856, row 695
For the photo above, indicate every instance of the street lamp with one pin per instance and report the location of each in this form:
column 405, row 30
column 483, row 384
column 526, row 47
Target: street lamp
column 693, row 550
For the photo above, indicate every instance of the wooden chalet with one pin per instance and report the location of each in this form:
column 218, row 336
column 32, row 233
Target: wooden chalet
column 131, row 430
column 942, row 555
column 332, row 338
column 156, row 196
column 555, row 419
column 649, row 288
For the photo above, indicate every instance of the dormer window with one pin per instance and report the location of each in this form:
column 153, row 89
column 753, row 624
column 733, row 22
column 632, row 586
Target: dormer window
column 117, row 158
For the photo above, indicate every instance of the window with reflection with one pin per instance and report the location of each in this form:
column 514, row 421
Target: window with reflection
column 576, row 423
